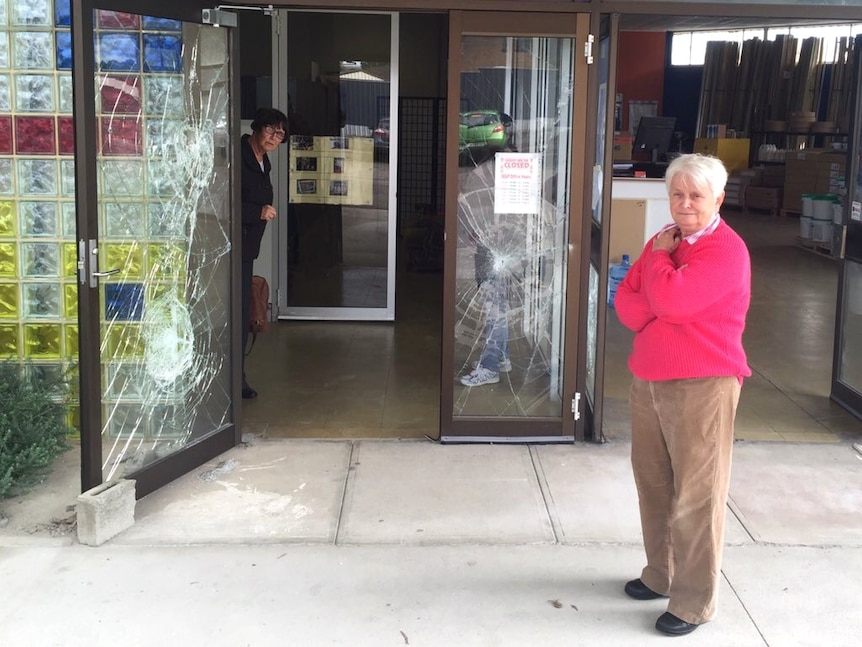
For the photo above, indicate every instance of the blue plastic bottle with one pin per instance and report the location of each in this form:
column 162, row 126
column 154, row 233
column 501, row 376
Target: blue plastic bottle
column 616, row 274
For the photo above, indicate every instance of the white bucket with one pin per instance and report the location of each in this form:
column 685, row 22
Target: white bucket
column 808, row 205
column 822, row 207
column 821, row 230
column 805, row 223
column 837, row 213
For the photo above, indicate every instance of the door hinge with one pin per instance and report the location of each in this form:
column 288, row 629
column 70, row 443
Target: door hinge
column 588, row 49
column 576, row 405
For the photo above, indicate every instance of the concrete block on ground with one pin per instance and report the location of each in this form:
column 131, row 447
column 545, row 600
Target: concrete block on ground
column 105, row 511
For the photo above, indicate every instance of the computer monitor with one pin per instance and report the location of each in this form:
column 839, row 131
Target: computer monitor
column 654, row 136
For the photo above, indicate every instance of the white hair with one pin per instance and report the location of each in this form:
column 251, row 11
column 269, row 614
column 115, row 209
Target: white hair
column 701, row 170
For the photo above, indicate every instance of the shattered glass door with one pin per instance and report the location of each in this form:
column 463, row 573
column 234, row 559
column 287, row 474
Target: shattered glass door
column 514, row 173
column 158, row 246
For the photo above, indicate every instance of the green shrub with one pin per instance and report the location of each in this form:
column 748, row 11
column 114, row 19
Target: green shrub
column 33, row 425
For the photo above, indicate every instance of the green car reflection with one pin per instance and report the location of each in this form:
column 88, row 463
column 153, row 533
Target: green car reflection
column 487, row 130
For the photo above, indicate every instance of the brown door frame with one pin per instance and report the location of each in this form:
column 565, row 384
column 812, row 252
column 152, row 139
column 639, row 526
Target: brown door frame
column 545, row 429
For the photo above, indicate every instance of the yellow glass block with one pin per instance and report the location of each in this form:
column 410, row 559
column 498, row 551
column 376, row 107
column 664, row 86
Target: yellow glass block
column 70, row 259
column 71, row 335
column 70, row 300
column 8, row 226
column 9, row 300
column 166, row 261
column 122, row 341
column 42, row 340
column 9, row 346
column 8, row 260
column 128, row 257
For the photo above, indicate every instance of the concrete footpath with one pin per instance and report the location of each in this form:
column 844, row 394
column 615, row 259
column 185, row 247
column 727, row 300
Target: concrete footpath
column 390, row 543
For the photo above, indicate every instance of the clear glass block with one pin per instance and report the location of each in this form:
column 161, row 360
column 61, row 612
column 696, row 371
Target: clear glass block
column 64, row 93
column 34, row 50
column 124, row 220
column 70, row 226
column 67, row 178
column 32, row 12
column 124, row 380
column 5, row 95
column 4, row 49
column 9, row 260
column 7, row 179
column 162, row 137
column 37, row 219
column 41, row 300
column 40, row 260
column 7, row 219
column 161, row 179
column 162, row 221
column 163, row 95
column 34, row 92
column 9, row 301
column 37, row 177
column 122, row 178
column 4, row 13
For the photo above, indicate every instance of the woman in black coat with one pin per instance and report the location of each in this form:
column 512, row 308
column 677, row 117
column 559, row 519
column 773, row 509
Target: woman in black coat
column 269, row 129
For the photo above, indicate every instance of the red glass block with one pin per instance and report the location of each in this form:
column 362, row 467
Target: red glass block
column 6, row 134
column 121, row 136
column 118, row 20
column 66, row 129
column 121, row 95
column 35, row 135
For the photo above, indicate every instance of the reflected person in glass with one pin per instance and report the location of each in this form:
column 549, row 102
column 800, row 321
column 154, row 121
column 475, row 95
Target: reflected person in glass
column 493, row 269
column 269, row 129
column 686, row 299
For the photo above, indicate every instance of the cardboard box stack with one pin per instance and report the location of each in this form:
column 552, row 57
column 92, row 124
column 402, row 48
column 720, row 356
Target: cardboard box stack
column 622, row 147
column 811, row 171
column 737, row 183
column 763, row 197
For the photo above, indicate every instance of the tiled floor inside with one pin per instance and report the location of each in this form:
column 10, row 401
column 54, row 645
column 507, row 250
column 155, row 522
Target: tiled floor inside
column 382, row 380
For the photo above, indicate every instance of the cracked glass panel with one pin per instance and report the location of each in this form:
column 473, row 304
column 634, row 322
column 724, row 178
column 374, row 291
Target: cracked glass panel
column 513, row 205
column 164, row 219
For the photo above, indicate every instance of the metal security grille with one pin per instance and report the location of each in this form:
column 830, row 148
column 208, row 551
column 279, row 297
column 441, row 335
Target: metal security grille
column 421, row 159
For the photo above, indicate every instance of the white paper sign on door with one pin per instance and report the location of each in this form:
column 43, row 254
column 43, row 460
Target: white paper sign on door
column 517, row 183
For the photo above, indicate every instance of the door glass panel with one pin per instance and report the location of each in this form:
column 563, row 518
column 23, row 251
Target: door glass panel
column 850, row 368
column 163, row 123
column 338, row 221
column 513, row 204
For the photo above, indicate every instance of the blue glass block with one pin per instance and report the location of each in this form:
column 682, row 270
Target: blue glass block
column 154, row 23
column 62, row 13
column 162, row 53
column 40, row 259
column 124, row 301
column 37, row 219
column 41, row 300
column 64, row 50
column 119, row 52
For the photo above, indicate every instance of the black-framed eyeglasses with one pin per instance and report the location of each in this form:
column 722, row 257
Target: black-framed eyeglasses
column 272, row 131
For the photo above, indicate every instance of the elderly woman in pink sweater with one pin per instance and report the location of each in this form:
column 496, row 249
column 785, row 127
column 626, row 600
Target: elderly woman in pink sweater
column 686, row 300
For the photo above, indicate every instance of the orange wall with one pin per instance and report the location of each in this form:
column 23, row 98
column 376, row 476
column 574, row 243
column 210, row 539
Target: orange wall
column 640, row 68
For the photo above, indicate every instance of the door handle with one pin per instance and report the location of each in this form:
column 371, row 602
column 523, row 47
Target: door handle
column 88, row 263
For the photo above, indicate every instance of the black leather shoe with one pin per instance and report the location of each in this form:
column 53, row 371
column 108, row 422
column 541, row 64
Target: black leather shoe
column 669, row 624
column 640, row 591
column 248, row 393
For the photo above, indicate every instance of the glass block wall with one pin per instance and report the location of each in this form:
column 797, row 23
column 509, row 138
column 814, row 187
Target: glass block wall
column 38, row 292
column 38, row 254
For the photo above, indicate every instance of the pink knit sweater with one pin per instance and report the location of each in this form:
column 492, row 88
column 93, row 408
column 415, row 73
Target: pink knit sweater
column 688, row 308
